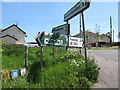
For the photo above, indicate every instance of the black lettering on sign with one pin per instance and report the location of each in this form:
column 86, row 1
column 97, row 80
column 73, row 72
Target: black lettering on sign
column 75, row 43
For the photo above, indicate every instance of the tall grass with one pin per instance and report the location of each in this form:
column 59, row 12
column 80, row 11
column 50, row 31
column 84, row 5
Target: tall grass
column 13, row 57
column 57, row 72
column 62, row 74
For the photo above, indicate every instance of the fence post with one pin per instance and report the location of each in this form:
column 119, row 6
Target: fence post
column 26, row 56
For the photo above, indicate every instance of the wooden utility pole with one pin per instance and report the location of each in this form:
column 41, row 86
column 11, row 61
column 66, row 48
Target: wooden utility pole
column 110, row 31
column 113, row 36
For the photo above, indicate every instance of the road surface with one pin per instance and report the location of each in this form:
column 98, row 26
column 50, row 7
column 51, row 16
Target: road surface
column 107, row 60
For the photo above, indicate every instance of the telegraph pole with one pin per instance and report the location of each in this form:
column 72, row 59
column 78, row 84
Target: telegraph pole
column 113, row 35
column 110, row 31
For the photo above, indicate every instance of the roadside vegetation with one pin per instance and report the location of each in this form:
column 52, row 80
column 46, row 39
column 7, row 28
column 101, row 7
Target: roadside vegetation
column 57, row 72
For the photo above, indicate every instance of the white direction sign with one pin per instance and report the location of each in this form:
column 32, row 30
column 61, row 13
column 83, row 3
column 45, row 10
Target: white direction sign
column 78, row 8
column 62, row 29
column 75, row 42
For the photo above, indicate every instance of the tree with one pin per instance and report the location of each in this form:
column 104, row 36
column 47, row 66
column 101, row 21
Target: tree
column 97, row 32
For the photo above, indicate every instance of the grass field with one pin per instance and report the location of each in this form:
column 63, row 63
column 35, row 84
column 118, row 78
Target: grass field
column 57, row 72
column 113, row 47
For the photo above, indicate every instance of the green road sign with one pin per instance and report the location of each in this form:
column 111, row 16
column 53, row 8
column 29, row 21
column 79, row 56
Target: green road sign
column 51, row 39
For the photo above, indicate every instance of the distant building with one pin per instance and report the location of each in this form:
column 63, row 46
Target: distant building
column 95, row 39
column 32, row 44
column 13, row 35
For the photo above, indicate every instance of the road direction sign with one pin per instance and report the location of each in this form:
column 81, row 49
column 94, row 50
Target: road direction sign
column 78, row 8
column 75, row 42
column 51, row 39
column 62, row 29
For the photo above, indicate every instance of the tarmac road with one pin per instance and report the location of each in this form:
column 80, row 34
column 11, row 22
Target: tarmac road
column 106, row 54
column 107, row 60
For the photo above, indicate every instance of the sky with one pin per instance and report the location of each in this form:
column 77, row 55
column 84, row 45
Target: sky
column 34, row 17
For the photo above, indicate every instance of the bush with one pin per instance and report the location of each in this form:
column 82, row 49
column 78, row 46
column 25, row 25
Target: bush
column 92, row 71
column 71, row 74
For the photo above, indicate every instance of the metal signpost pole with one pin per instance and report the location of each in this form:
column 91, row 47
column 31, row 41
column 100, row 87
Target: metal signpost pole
column 84, row 38
column 53, row 50
column 80, row 24
column 80, row 31
column 67, row 46
column 41, row 54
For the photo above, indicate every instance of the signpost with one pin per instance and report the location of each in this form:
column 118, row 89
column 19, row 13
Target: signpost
column 78, row 8
column 62, row 29
column 51, row 39
column 75, row 10
column 60, row 35
column 75, row 42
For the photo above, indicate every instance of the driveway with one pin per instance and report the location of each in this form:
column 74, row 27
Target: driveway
column 107, row 60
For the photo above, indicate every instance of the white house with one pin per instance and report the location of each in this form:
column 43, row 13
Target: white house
column 13, row 35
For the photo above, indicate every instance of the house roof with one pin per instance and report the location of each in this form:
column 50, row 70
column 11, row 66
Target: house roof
column 90, row 33
column 10, row 37
column 12, row 26
column 77, row 35
column 87, row 32
column 104, row 35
